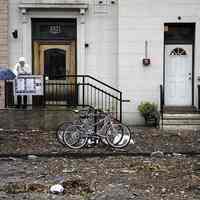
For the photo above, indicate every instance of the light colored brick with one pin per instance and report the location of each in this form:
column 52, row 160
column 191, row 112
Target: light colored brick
column 2, row 94
column 4, row 32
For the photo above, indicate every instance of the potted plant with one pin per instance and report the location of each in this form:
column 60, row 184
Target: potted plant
column 150, row 112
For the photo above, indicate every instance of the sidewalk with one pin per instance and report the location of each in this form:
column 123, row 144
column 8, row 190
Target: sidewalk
column 147, row 140
column 100, row 173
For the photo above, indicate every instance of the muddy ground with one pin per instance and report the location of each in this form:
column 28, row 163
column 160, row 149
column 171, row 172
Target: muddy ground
column 110, row 178
column 146, row 140
column 92, row 174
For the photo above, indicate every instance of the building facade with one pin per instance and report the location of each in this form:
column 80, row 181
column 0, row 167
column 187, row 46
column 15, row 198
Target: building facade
column 109, row 39
column 4, row 33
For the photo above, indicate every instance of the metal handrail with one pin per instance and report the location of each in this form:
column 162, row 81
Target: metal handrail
column 161, row 103
column 198, row 87
column 86, row 79
column 90, row 77
column 93, row 92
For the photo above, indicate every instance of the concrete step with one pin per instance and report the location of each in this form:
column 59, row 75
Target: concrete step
column 179, row 109
column 181, row 121
column 182, row 116
column 181, row 127
column 175, row 121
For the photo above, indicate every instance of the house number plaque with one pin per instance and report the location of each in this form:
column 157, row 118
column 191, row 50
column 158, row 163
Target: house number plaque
column 55, row 29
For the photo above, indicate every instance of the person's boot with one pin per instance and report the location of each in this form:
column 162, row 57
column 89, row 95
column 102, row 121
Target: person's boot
column 25, row 102
column 19, row 101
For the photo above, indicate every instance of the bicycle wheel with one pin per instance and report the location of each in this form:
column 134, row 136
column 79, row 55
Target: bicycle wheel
column 118, row 135
column 60, row 131
column 74, row 137
column 62, row 127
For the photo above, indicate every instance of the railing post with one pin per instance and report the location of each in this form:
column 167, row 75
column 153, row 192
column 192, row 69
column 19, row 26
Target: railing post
column 83, row 88
column 120, row 114
column 161, row 103
column 5, row 93
column 95, row 120
column 44, row 90
column 198, row 97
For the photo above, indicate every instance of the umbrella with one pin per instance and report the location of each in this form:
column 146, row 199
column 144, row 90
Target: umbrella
column 6, row 74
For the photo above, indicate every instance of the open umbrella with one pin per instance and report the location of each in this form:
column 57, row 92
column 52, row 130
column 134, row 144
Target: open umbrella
column 6, row 74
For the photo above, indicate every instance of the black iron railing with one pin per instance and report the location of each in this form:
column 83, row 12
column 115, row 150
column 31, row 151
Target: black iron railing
column 198, row 86
column 75, row 90
column 161, row 103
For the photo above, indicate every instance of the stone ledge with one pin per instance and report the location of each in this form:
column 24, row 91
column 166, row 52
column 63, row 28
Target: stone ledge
column 53, row 6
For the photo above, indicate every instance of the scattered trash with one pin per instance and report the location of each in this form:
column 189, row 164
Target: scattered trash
column 8, row 159
column 157, row 154
column 177, row 155
column 163, row 190
column 57, row 189
column 69, row 170
column 132, row 141
column 59, row 179
column 92, row 142
column 32, row 157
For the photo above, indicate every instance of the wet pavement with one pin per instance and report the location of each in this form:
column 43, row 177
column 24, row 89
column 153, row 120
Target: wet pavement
column 160, row 165
column 144, row 142
column 126, row 178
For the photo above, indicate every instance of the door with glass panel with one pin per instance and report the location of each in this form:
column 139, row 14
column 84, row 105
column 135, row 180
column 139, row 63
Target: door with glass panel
column 178, row 75
column 57, row 63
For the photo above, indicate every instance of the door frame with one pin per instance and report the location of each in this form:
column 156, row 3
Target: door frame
column 36, row 51
column 168, row 49
column 36, row 60
column 193, row 58
column 66, row 48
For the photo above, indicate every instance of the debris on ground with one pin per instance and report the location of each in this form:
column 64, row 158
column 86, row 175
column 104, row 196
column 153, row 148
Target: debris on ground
column 113, row 178
column 164, row 172
column 57, row 189
column 157, row 154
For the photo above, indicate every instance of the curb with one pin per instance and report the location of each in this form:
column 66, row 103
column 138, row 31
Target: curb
column 77, row 155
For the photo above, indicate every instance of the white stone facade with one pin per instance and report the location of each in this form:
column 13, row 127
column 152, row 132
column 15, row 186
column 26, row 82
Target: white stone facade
column 116, row 34
column 141, row 20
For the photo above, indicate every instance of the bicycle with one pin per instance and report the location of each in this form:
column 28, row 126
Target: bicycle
column 84, row 114
column 117, row 135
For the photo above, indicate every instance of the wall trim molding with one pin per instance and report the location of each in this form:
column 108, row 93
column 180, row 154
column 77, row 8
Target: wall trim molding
column 70, row 6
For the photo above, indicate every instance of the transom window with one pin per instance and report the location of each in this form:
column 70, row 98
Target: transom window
column 178, row 52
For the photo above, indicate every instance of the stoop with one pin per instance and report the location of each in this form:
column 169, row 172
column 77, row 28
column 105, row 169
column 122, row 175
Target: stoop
column 181, row 118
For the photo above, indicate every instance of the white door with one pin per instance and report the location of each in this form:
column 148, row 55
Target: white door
column 178, row 75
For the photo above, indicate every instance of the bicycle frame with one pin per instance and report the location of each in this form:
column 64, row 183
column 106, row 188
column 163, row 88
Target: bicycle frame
column 96, row 134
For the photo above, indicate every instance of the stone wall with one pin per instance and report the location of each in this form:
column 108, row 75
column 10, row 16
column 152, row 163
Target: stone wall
column 4, row 33
column 35, row 119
